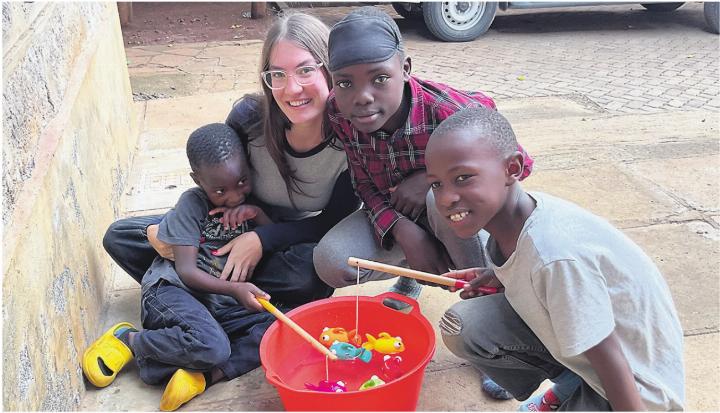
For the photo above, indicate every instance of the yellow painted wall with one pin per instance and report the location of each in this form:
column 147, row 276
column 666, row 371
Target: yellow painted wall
column 66, row 152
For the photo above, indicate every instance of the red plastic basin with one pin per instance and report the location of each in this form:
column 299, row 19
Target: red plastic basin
column 289, row 361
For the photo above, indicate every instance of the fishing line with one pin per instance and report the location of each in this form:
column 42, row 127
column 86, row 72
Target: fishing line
column 357, row 301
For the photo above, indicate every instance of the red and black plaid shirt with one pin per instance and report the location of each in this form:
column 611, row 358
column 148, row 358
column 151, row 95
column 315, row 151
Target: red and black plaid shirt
column 379, row 161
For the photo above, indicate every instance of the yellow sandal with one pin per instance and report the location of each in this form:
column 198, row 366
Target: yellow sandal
column 105, row 357
column 182, row 387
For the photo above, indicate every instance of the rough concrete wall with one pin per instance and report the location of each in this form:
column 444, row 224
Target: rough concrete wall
column 69, row 132
column 40, row 43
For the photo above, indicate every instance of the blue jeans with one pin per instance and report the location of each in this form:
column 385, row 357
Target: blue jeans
column 488, row 333
column 288, row 276
column 180, row 332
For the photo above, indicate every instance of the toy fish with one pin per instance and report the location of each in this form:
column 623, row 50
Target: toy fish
column 346, row 351
column 373, row 382
column 327, row 386
column 330, row 335
column 391, row 368
column 384, row 344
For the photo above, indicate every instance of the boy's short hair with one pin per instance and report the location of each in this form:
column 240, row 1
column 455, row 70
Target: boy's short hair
column 211, row 145
column 366, row 35
column 487, row 124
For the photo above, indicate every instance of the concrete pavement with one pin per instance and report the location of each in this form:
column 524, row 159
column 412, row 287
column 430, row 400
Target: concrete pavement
column 651, row 169
column 621, row 58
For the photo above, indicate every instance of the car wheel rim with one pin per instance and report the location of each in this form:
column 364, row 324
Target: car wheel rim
column 462, row 15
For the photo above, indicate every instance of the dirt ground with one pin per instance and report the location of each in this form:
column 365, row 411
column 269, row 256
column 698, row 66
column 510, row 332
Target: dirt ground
column 155, row 23
column 179, row 22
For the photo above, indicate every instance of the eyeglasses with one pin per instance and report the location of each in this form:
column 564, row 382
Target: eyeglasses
column 277, row 79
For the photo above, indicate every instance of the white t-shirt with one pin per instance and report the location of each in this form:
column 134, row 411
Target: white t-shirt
column 574, row 278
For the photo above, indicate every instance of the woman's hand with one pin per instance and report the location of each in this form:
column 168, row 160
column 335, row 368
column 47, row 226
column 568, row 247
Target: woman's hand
column 163, row 249
column 481, row 281
column 408, row 197
column 245, row 253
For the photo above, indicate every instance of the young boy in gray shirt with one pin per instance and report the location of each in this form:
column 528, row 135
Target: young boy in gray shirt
column 197, row 328
column 579, row 302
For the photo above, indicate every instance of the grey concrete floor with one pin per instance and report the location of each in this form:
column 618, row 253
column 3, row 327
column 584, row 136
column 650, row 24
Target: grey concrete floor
column 616, row 144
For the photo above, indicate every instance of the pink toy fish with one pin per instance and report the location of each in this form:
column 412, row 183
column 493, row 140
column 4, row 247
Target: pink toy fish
column 327, row 386
column 330, row 335
column 384, row 344
column 391, row 368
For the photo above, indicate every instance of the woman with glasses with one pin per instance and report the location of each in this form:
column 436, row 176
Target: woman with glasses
column 300, row 178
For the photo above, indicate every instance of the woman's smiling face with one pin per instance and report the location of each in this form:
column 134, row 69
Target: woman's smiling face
column 300, row 103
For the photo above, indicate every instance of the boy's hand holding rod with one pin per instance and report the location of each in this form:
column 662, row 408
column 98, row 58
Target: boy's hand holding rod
column 418, row 275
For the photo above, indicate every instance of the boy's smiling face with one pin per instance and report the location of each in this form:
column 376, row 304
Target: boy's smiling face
column 370, row 95
column 469, row 180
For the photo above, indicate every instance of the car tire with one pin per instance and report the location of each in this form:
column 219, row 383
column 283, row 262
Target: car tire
column 407, row 10
column 712, row 16
column 455, row 21
column 661, row 7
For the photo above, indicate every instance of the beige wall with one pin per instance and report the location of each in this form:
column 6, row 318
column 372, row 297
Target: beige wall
column 68, row 136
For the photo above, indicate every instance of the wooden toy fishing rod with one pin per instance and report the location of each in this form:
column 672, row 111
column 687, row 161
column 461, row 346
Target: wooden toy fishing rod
column 418, row 275
column 296, row 328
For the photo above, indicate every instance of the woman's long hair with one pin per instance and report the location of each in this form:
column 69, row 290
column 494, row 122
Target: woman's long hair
column 312, row 35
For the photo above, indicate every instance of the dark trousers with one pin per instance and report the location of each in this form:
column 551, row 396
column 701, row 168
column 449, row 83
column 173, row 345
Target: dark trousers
column 488, row 332
column 288, row 276
column 180, row 332
column 127, row 244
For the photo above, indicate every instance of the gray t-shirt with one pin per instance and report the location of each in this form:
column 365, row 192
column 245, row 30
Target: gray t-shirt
column 328, row 192
column 188, row 223
column 574, row 278
column 318, row 170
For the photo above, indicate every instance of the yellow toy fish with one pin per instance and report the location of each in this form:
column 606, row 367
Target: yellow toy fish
column 384, row 344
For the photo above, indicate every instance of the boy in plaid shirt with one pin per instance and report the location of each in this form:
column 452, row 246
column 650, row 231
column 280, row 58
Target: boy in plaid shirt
column 384, row 117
